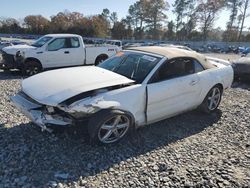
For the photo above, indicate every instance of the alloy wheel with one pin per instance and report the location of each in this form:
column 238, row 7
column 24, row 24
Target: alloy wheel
column 214, row 98
column 113, row 129
column 32, row 71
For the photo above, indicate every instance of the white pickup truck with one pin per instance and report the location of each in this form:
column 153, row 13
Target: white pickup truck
column 54, row 51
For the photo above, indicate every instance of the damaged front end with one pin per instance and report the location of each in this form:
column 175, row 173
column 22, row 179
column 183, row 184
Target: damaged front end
column 71, row 111
column 42, row 115
column 87, row 103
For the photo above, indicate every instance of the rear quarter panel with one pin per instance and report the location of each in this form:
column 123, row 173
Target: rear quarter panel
column 221, row 74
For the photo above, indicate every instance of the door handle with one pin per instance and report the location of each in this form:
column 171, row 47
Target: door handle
column 66, row 52
column 193, row 82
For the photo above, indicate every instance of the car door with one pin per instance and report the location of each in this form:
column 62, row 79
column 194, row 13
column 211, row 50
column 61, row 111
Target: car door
column 77, row 53
column 57, row 53
column 174, row 88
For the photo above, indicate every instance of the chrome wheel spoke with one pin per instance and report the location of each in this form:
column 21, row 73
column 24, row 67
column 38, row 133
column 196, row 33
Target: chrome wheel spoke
column 211, row 104
column 122, row 126
column 107, row 127
column 117, row 120
column 214, row 92
column 107, row 135
column 217, row 96
column 215, row 103
column 116, row 133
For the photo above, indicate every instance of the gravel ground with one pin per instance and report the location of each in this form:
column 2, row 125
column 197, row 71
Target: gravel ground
column 190, row 150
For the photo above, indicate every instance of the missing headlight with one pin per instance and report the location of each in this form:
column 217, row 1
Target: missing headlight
column 50, row 109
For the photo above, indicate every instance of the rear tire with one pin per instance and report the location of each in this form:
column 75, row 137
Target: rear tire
column 109, row 126
column 31, row 68
column 100, row 59
column 212, row 100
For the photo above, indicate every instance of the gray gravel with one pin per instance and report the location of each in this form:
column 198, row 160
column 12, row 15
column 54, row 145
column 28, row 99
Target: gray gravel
column 191, row 150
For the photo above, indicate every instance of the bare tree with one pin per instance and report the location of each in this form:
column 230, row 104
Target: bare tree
column 245, row 4
column 36, row 23
column 206, row 13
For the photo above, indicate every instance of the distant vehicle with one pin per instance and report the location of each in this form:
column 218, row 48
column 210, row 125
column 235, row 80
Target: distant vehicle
column 136, row 87
column 115, row 42
column 54, row 51
column 128, row 45
column 200, row 49
column 242, row 68
column 246, row 51
column 241, row 49
column 5, row 44
column 213, row 48
column 18, row 42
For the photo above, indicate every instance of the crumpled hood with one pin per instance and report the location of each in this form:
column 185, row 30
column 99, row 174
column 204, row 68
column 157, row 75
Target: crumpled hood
column 12, row 50
column 54, row 87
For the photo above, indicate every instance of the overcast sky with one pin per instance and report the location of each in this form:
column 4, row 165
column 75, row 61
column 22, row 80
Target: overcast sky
column 20, row 8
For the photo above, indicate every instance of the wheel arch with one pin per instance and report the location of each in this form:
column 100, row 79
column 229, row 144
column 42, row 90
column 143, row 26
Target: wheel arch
column 106, row 110
column 220, row 85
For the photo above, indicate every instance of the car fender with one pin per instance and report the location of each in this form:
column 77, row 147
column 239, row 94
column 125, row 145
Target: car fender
column 93, row 106
column 115, row 99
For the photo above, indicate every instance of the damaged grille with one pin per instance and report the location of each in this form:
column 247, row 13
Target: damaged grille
column 8, row 59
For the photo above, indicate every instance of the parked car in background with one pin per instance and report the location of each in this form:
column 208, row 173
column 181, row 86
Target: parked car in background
column 242, row 68
column 4, row 44
column 246, row 51
column 137, row 87
column 54, row 51
column 18, row 42
column 115, row 42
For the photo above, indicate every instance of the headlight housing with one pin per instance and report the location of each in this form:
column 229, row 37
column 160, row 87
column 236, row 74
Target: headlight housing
column 50, row 109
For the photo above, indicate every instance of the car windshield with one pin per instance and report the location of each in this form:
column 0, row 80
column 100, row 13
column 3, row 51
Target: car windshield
column 40, row 42
column 135, row 66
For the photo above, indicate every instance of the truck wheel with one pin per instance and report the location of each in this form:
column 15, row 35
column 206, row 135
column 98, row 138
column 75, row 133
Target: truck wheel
column 31, row 68
column 100, row 59
column 109, row 126
column 212, row 100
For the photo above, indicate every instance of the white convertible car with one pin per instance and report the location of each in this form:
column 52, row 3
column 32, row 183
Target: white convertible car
column 136, row 87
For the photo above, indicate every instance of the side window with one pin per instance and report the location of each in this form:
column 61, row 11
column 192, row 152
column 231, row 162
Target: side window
column 74, row 42
column 57, row 44
column 175, row 68
column 197, row 66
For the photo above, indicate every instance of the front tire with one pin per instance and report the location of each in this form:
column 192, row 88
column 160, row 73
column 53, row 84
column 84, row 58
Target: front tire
column 212, row 100
column 109, row 126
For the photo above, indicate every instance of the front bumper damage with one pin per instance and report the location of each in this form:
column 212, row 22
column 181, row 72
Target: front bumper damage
column 11, row 61
column 37, row 113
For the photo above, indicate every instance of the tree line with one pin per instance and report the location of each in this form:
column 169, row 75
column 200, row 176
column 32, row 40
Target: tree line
column 146, row 19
